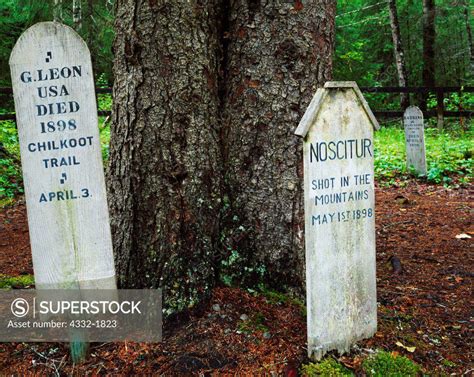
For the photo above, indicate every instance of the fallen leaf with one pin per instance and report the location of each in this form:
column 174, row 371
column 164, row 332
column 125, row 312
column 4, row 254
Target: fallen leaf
column 400, row 199
column 409, row 349
column 298, row 5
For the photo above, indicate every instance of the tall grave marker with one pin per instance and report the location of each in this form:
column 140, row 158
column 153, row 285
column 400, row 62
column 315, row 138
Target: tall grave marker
column 415, row 139
column 63, row 174
column 339, row 218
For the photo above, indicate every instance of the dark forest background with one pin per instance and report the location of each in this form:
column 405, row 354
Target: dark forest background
column 364, row 47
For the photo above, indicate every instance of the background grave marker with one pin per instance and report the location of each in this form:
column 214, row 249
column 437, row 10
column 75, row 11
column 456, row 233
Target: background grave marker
column 339, row 218
column 415, row 139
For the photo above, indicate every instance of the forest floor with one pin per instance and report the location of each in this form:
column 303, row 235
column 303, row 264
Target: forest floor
column 424, row 313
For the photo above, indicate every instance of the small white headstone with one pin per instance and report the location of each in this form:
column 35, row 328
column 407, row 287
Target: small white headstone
column 339, row 218
column 61, row 158
column 415, row 139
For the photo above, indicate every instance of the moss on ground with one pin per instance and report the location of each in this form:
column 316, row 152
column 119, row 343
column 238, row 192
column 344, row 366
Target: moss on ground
column 22, row 281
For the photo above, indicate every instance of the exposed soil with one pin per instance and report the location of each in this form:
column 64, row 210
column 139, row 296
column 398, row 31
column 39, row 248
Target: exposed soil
column 15, row 252
column 424, row 296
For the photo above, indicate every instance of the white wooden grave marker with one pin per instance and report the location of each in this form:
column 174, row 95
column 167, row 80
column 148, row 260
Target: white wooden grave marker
column 339, row 218
column 415, row 139
column 63, row 174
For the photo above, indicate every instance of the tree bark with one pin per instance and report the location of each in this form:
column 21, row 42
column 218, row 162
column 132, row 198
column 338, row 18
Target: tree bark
column 469, row 36
column 90, row 28
column 398, row 52
column 205, row 175
column 58, row 11
column 429, row 37
column 278, row 54
column 164, row 174
column 77, row 15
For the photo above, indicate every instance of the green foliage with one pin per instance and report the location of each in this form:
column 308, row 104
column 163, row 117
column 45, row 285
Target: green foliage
column 364, row 49
column 278, row 298
column 97, row 30
column 230, row 260
column 275, row 298
column 9, row 136
column 22, row 281
column 452, row 101
column 449, row 155
column 11, row 182
column 104, row 102
column 448, row 363
column 327, row 367
column 231, row 271
column 104, row 133
column 387, row 364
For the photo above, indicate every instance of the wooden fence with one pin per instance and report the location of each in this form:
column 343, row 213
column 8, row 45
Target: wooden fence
column 440, row 111
column 440, row 92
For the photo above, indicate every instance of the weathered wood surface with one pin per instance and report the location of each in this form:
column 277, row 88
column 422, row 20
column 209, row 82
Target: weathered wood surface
column 415, row 140
column 61, row 159
column 339, row 218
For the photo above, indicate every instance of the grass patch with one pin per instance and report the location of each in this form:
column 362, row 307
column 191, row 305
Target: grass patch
column 449, row 155
column 18, row 282
column 390, row 364
column 326, row 367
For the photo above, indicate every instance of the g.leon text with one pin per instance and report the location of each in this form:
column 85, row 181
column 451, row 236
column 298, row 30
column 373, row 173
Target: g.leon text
column 51, row 74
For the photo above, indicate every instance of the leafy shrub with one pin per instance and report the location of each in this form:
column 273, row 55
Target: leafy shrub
column 10, row 180
column 104, row 101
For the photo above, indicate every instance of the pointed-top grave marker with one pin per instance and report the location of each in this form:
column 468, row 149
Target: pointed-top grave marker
column 339, row 218
column 415, row 139
column 56, row 113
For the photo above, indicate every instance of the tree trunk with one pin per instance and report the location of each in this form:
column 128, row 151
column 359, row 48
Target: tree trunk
column 164, row 174
column 77, row 15
column 469, row 36
column 398, row 52
column 90, row 30
column 429, row 37
column 205, row 175
column 278, row 54
column 58, row 11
